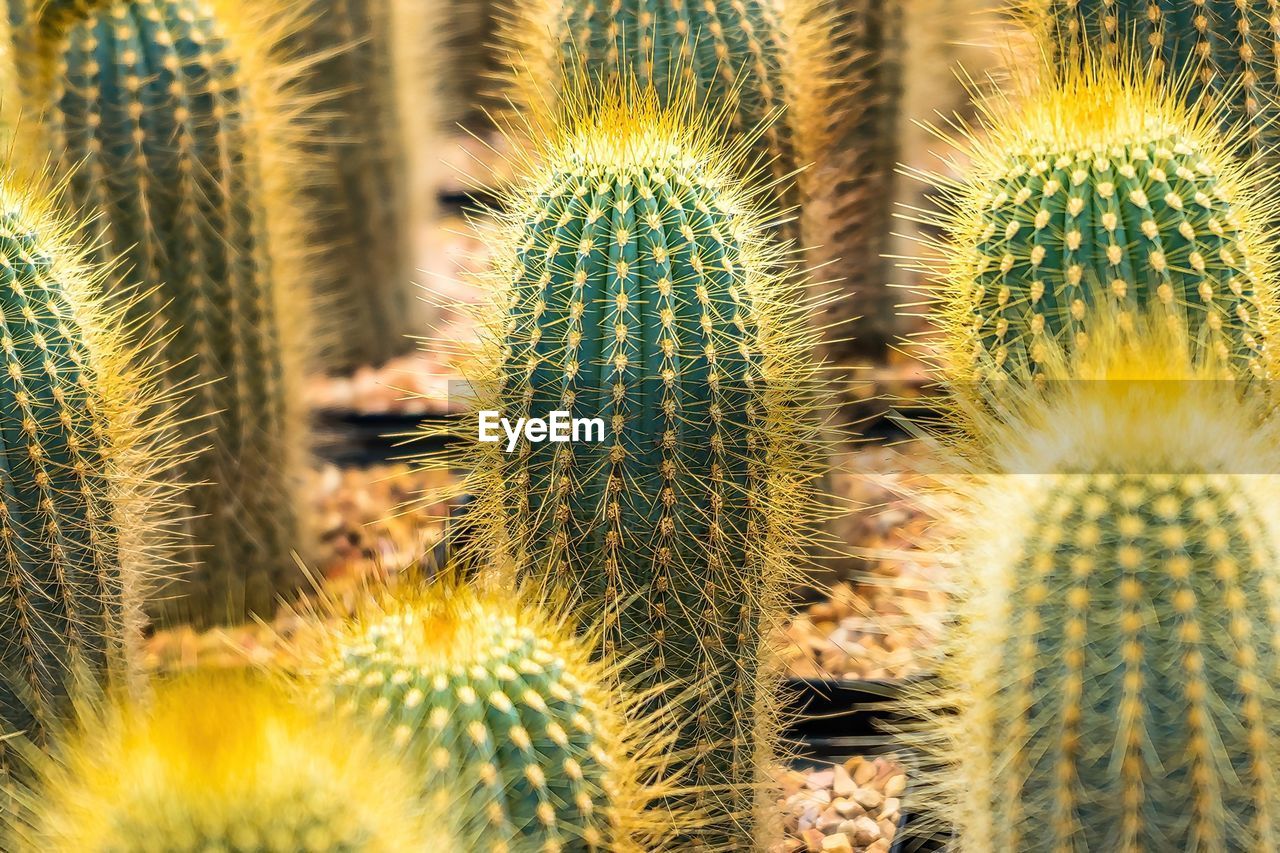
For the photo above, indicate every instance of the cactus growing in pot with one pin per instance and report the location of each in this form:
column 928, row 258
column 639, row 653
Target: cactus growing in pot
column 1098, row 192
column 634, row 283
column 84, row 520
column 173, row 122
column 1109, row 679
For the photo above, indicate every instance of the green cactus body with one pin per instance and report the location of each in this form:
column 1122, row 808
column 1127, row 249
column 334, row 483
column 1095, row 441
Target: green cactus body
column 1224, row 50
column 362, row 206
column 75, row 545
column 1099, row 196
column 488, row 693
column 1109, row 679
column 151, row 107
column 634, row 287
column 218, row 762
column 1138, row 636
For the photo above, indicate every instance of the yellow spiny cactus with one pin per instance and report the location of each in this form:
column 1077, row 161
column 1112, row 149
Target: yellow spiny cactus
column 1097, row 191
column 1109, row 680
column 222, row 761
column 494, row 695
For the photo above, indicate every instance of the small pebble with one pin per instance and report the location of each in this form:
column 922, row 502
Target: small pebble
column 838, row 843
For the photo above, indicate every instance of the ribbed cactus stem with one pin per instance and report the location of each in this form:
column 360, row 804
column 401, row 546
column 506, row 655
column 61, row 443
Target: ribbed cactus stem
column 79, row 508
column 635, row 285
column 1099, row 194
column 490, row 694
column 362, row 206
column 166, row 113
column 1224, row 50
column 1111, row 673
column 222, row 762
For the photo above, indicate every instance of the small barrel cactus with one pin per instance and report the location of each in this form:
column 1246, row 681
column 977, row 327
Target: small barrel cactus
column 488, row 691
column 1098, row 193
column 1223, row 50
column 82, row 441
column 1110, row 682
column 636, row 291
column 170, row 118
column 223, row 762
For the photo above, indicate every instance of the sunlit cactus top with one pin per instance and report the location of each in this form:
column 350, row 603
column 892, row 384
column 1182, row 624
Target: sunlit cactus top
column 1098, row 192
column 222, row 762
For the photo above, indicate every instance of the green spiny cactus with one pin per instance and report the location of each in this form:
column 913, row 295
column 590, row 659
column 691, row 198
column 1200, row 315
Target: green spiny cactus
column 1225, row 50
column 363, row 206
column 1110, row 678
column 489, row 692
column 634, row 284
column 1097, row 193
column 81, row 514
column 763, row 69
column 171, row 120
column 220, row 762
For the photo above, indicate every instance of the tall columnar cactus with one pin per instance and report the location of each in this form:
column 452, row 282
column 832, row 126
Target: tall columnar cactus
column 1098, row 193
column 763, row 69
column 492, row 694
column 634, row 284
column 171, row 119
column 1225, row 50
column 1110, row 677
column 363, row 207
column 81, row 515
column 219, row 762
column 846, row 220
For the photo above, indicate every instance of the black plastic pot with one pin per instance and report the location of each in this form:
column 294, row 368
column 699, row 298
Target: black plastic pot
column 353, row 440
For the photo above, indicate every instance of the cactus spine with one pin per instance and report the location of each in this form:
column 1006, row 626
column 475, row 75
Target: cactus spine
column 81, row 514
column 634, row 284
column 220, row 762
column 1113, row 661
column 488, row 692
column 1226, row 52
column 363, row 207
column 1098, row 193
column 171, row 119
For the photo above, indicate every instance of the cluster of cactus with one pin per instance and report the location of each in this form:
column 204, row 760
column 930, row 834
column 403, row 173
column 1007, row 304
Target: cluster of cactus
column 82, row 440
column 223, row 762
column 1110, row 674
column 490, row 696
column 1099, row 193
column 171, row 121
column 362, row 204
column 634, row 283
column 1223, row 52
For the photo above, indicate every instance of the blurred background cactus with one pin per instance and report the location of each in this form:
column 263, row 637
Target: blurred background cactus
column 1224, row 51
column 83, row 519
column 1099, row 192
column 173, row 122
column 493, row 695
column 366, row 205
column 1110, row 678
column 634, row 282
column 223, row 762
